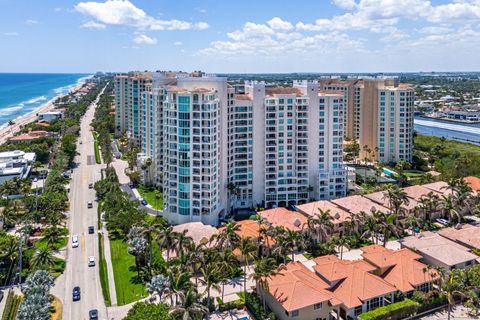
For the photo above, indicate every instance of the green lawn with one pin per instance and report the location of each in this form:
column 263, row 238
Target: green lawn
column 149, row 195
column 102, row 266
column 98, row 159
column 42, row 243
column 128, row 288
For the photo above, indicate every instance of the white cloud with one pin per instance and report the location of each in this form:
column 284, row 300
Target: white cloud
column 30, row 22
column 9, row 34
column 144, row 39
column 57, row 9
column 202, row 11
column 93, row 25
column 201, row 26
column 279, row 24
column 123, row 12
column 345, row 4
column 435, row 30
column 178, row 43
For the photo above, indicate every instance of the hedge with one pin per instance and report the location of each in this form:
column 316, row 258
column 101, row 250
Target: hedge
column 255, row 306
column 11, row 306
column 394, row 311
column 224, row 306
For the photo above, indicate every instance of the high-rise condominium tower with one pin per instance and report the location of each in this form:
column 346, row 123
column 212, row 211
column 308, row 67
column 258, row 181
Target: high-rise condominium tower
column 379, row 114
column 213, row 149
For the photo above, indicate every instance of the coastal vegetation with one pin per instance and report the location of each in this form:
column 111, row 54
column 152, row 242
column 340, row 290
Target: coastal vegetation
column 450, row 158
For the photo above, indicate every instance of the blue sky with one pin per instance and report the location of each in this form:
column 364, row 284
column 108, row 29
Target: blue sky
column 240, row 36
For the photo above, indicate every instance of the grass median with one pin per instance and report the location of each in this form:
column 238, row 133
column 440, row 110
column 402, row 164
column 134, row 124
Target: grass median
column 98, row 159
column 148, row 193
column 102, row 267
column 127, row 284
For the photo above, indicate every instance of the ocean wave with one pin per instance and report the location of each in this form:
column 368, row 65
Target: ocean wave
column 448, row 126
column 37, row 99
column 10, row 110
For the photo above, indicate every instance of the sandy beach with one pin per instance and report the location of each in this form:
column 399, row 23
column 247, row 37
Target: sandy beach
column 9, row 131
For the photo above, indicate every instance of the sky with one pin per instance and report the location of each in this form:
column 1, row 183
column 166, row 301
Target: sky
column 249, row 36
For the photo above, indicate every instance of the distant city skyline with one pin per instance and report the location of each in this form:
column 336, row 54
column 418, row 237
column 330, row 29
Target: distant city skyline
column 244, row 37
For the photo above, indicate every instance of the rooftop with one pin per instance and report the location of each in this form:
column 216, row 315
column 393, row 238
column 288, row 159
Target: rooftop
column 311, row 209
column 439, row 248
column 357, row 204
column 356, row 282
column 465, row 234
column 199, row 232
column 401, row 268
column 381, row 198
column 283, row 90
column 281, row 217
column 296, row 287
column 474, row 182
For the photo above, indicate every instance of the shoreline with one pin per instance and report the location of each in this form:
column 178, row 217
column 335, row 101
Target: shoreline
column 9, row 131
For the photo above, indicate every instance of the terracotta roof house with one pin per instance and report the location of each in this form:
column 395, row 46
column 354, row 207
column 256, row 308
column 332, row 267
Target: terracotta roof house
column 401, row 268
column 439, row 186
column 282, row 217
column 465, row 234
column 296, row 292
column 338, row 214
column 30, row 136
column 381, row 199
column 474, row 182
column 354, row 284
column 199, row 232
column 356, row 204
column 439, row 251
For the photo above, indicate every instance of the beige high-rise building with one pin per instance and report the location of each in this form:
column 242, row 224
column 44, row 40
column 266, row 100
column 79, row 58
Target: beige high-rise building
column 378, row 114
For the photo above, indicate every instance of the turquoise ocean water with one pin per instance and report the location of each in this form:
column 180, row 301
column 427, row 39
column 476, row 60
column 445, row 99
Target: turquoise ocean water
column 21, row 93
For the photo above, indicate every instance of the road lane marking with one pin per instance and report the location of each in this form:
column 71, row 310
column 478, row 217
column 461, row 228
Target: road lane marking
column 83, row 250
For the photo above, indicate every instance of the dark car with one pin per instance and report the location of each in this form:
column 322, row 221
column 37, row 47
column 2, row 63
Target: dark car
column 76, row 293
column 93, row 314
column 144, row 202
column 90, row 186
column 91, row 230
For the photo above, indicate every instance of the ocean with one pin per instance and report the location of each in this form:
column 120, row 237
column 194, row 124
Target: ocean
column 21, row 93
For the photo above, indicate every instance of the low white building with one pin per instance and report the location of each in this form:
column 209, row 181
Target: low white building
column 50, row 116
column 15, row 164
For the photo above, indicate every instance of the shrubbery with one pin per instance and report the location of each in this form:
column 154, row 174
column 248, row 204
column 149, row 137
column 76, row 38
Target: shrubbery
column 394, row 311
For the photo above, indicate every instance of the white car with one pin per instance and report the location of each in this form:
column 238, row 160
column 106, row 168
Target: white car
column 91, row 261
column 74, row 241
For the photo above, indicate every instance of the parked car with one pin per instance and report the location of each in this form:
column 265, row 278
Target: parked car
column 143, row 202
column 91, row 230
column 90, row 186
column 81, row 142
column 442, row 221
column 35, row 179
column 93, row 314
column 91, row 261
column 89, row 204
column 76, row 293
column 75, row 241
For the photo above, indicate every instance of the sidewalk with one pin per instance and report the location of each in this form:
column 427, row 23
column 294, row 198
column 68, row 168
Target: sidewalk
column 108, row 259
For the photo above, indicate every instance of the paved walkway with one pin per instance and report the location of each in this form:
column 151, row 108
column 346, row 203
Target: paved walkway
column 230, row 315
column 458, row 313
column 108, row 259
column 120, row 165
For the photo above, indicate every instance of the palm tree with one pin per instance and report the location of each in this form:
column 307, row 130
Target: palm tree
column 159, row 285
column 265, row 269
column 179, row 284
column 51, row 235
column 293, row 241
column 167, row 239
column 227, row 265
column 195, row 259
column 189, row 308
column 397, row 198
column 342, row 242
column 248, row 249
column 43, row 258
column 211, row 277
column 228, row 237
column 148, row 230
column 387, row 224
column 451, row 287
column 447, row 203
column 320, row 225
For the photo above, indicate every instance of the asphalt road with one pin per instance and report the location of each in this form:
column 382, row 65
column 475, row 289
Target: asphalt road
column 77, row 272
